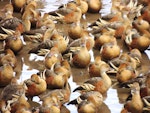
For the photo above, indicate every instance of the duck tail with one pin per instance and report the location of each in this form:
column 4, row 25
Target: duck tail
column 78, row 89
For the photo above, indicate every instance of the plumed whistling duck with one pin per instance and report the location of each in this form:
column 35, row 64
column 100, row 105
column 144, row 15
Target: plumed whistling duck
column 125, row 72
column 135, row 40
column 6, row 74
column 110, row 50
column 56, row 97
column 94, row 6
column 69, row 14
column 55, row 78
column 20, row 105
column 133, row 58
column 52, row 57
column 36, row 85
column 18, row 4
column 135, row 105
column 8, row 97
column 83, row 5
column 8, row 57
column 86, row 107
column 95, row 67
column 81, row 58
column 75, row 31
column 6, row 12
column 93, row 96
column 14, row 42
column 100, row 84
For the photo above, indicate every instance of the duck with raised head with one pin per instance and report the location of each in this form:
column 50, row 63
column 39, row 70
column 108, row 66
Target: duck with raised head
column 135, row 105
column 31, row 16
column 36, row 85
column 81, row 58
column 75, row 31
column 100, row 84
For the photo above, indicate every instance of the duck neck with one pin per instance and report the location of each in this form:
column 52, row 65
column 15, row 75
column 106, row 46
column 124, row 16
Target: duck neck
column 107, row 79
column 136, row 96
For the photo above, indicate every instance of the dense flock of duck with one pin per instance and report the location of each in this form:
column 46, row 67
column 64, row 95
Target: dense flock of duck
column 128, row 21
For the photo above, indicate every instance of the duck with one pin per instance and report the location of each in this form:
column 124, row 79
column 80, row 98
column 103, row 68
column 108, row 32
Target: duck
column 122, row 71
column 68, row 14
column 52, row 109
column 94, row 6
column 57, row 38
column 6, row 12
column 86, row 107
column 45, row 28
column 133, row 57
column 56, row 97
column 83, row 5
column 14, row 42
column 100, row 84
column 18, row 5
column 11, row 24
column 110, row 50
column 93, row 96
column 102, row 39
column 86, row 36
column 64, row 67
column 30, row 18
column 7, row 95
column 80, row 58
column 145, row 14
column 135, row 105
column 144, row 91
column 8, row 57
column 45, row 20
column 36, row 85
column 50, row 39
column 21, row 105
column 140, row 25
column 135, row 40
column 95, row 67
column 55, row 78
column 6, row 74
column 52, row 57
column 75, row 31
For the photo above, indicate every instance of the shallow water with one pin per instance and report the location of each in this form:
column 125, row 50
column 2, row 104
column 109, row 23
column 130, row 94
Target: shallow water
column 31, row 63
